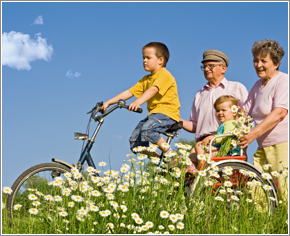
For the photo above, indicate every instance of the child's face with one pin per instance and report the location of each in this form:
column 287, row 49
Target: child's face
column 224, row 112
column 150, row 61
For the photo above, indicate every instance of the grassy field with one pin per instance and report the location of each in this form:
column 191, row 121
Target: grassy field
column 141, row 198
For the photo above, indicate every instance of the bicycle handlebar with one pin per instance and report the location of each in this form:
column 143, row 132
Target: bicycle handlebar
column 99, row 108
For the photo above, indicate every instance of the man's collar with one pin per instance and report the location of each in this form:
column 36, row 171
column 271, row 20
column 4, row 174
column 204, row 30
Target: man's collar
column 223, row 83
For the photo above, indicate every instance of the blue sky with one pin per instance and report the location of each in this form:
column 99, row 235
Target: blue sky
column 60, row 58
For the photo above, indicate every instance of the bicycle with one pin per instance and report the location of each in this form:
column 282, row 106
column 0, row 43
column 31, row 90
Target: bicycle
column 42, row 174
column 38, row 176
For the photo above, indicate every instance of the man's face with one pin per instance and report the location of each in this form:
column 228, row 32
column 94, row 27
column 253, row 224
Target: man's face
column 214, row 70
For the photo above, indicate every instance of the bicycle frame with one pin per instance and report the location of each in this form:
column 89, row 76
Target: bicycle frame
column 85, row 155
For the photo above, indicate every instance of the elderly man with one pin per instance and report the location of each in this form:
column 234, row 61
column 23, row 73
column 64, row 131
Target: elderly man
column 203, row 121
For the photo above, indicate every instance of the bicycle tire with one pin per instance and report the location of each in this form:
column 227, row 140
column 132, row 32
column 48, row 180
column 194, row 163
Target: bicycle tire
column 268, row 193
column 21, row 185
column 241, row 181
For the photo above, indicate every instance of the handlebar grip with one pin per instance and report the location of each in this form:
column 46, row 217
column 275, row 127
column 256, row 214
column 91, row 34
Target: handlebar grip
column 139, row 110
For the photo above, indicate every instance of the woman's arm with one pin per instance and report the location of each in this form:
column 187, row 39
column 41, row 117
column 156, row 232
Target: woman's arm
column 276, row 116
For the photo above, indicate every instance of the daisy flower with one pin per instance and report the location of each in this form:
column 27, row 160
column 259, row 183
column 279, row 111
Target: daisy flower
column 208, row 183
column 257, row 183
column 179, row 216
column 234, row 108
column 77, row 198
column 250, row 184
column 165, row 145
column 75, row 170
column 124, row 208
column 235, row 198
column 32, row 197
column 266, row 176
column 67, row 175
column 71, row 204
column 173, row 218
column 110, row 196
column 267, row 187
column 228, row 172
column 48, row 197
column 219, row 198
column 102, row 163
column 82, row 211
column 201, row 157
column 151, row 148
column 164, row 214
column 179, row 225
column 249, row 200
column 17, row 206
column 36, row 203
column 229, row 190
column 171, row 227
column 222, row 191
column 138, row 221
column 149, row 224
column 202, row 173
column 7, row 190
column 275, row 174
column 285, row 173
column 63, row 213
column 252, row 174
column 90, row 169
column 187, row 146
column 93, row 208
column 33, row 211
column 267, row 166
column 228, row 184
column 244, row 172
column 96, row 193
column 58, row 198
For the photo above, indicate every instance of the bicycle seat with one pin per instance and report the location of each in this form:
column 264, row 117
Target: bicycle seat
column 171, row 132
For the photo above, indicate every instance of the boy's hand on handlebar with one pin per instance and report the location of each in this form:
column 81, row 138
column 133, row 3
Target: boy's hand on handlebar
column 105, row 106
column 134, row 106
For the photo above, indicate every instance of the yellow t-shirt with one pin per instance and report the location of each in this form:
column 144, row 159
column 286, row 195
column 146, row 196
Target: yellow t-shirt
column 166, row 101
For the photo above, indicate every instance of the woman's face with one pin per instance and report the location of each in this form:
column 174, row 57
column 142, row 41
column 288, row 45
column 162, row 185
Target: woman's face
column 264, row 66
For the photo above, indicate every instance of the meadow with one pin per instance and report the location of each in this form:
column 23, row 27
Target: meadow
column 142, row 198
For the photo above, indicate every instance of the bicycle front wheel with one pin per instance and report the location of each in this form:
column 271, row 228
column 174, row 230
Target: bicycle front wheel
column 33, row 184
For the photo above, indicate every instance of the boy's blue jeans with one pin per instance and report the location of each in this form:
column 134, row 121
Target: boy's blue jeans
column 150, row 129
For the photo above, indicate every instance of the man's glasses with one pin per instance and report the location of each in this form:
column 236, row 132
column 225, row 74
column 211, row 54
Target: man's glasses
column 210, row 66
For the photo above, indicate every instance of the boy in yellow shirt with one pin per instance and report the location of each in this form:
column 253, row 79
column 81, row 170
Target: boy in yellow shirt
column 159, row 90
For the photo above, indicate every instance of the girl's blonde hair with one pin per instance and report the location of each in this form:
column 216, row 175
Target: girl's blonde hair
column 225, row 98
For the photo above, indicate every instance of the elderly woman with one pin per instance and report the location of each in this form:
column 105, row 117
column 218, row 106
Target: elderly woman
column 267, row 104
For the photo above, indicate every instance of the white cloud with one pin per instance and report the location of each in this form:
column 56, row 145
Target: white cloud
column 70, row 74
column 19, row 50
column 38, row 21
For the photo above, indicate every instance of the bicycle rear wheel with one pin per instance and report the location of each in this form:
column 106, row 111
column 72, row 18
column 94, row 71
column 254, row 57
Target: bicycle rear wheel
column 239, row 176
column 34, row 181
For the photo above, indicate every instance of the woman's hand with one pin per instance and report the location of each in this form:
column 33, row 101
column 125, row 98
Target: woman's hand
column 247, row 139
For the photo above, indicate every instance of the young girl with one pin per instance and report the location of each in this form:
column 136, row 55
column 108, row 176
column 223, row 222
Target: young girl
column 226, row 111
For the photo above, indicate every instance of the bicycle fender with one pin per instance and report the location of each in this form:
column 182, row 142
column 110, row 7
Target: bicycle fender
column 62, row 162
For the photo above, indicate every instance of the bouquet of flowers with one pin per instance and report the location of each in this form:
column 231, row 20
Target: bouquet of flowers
column 244, row 125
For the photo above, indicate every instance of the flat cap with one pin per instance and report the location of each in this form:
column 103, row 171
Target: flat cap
column 215, row 55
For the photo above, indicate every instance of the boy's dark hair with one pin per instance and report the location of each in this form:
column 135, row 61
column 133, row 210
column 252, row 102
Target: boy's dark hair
column 161, row 51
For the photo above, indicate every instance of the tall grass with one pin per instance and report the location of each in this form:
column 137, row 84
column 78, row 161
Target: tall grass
column 137, row 200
